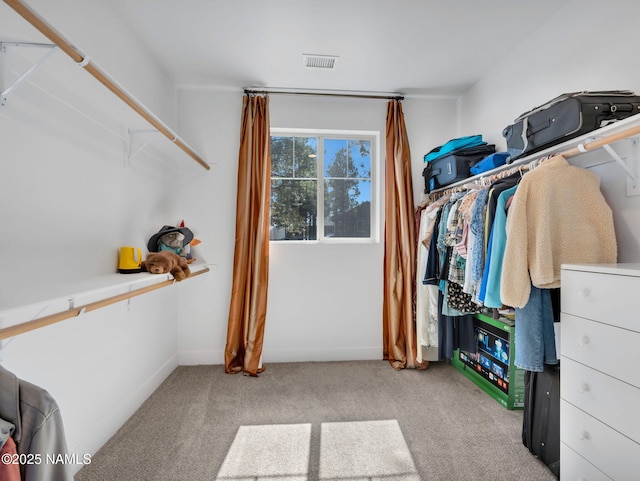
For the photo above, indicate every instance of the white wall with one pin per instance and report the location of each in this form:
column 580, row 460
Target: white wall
column 325, row 301
column 66, row 208
column 67, row 202
column 208, row 202
column 430, row 121
column 587, row 45
column 95, row 29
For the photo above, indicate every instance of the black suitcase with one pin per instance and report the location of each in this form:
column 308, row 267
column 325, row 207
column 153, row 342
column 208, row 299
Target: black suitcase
column 566, row 117
column 541, row 416
column 454, row 166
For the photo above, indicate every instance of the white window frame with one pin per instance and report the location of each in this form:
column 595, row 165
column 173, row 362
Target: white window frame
column 375, row 222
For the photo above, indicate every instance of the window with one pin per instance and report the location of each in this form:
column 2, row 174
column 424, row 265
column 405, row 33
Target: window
column 322, row 186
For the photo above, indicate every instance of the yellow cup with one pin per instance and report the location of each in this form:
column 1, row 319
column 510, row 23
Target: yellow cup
column 130, row 260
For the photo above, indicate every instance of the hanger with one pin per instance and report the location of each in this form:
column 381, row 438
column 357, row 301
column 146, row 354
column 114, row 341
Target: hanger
column 473, row 185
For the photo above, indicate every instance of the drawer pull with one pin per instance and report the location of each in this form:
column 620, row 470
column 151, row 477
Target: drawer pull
column 583, row 436
column 584, row 387
column 584, row 340
column 584, row 293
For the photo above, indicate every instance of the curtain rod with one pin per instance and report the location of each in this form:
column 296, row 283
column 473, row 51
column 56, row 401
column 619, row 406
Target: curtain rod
column 84, row 61
column 363, row 95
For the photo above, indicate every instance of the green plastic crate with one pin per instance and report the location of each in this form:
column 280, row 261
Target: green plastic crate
column 492, row 368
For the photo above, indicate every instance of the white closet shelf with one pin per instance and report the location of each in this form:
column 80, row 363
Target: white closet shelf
column 88, row 295
column 87, row 64
column 628, row 128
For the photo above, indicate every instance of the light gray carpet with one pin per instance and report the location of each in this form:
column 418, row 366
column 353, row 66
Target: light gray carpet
column 452, row 430
column 268, row 452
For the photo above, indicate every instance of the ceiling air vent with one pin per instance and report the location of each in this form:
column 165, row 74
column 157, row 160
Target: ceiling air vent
column 319, row 61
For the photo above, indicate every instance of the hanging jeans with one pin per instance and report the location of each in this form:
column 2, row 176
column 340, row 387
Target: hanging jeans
column 534, row 334
column 454, row 332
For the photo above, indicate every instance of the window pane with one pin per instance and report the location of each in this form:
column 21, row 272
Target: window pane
column 360, row 158
column 335, row 158
column 293, row 209
column 347, row 208
column 294, row 157
column 281, row 156
column 306, row 157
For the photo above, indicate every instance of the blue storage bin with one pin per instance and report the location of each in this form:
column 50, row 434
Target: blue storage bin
column 490, row 162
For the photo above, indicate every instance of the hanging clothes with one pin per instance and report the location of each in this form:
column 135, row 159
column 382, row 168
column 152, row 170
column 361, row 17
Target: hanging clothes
column 426, row 294
column 38, row 427
column 558, row 216
column 9, row 471
column 534, row 333
column 456, row 298
column 495, row 258
column 477, row 246
column 495, row 191
column 455, row 328
column 422, row 319
column 455, row 332
column 469, row 242
column 505, row 245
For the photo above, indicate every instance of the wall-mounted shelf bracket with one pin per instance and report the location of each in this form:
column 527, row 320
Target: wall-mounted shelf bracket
column 132, row 149
column 630, row 165
column 6, row 46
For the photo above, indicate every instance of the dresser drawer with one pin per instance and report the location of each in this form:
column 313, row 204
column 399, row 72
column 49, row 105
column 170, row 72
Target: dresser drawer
column 611, row 299
column 574, row 467
column 608, row 349
column 612, row 453
column 613, row 402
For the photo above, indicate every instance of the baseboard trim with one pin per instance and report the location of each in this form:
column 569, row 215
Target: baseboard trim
column 195, row 358
column 114, row 420
column 323, row 354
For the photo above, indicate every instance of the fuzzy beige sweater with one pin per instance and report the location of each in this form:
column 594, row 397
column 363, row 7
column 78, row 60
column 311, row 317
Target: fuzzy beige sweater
column 558, row 216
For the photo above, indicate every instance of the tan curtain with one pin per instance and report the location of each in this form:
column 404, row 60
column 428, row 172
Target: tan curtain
column 248, row 309
column 399, row 328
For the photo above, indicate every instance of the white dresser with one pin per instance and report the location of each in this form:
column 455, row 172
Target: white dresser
column 600, row 373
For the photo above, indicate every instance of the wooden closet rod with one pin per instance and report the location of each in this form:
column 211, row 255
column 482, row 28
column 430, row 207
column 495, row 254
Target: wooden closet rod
column 76, row 311
column 609, row 139
column 49, row 32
